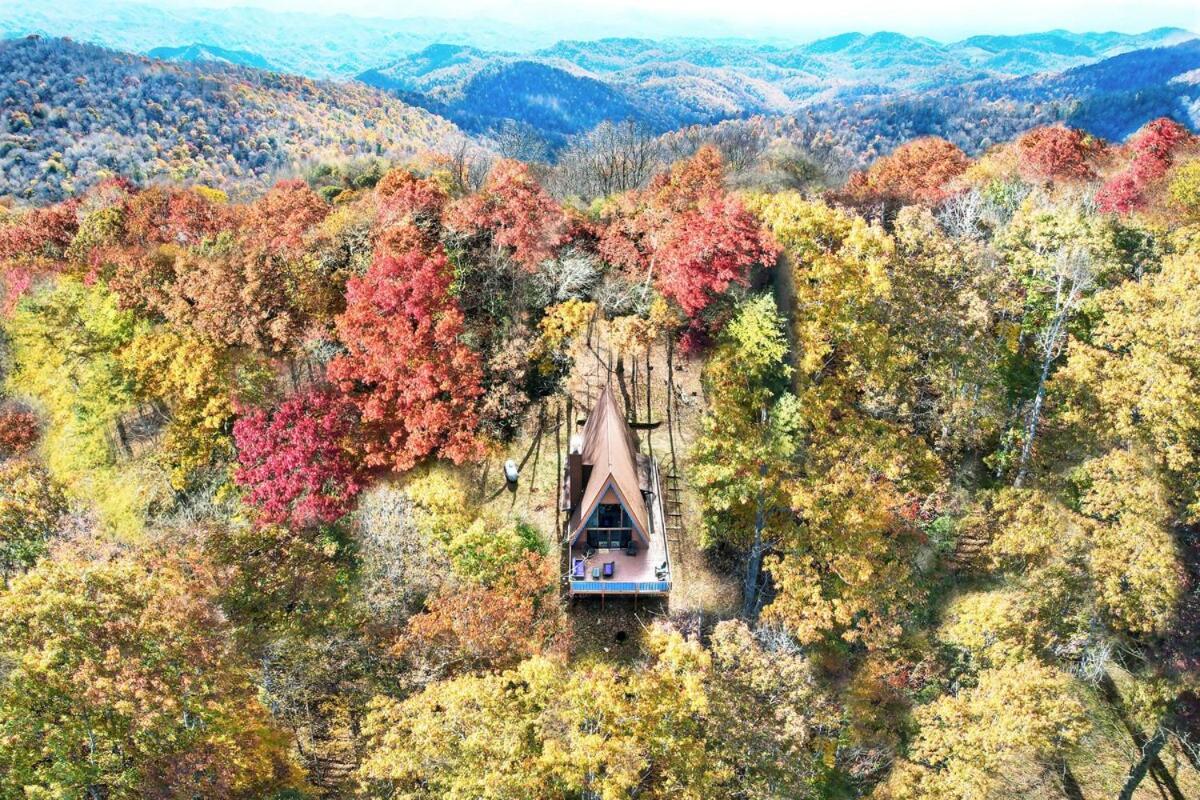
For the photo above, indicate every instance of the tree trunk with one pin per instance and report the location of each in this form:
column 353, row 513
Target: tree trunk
column 1070, row 786
column 1139, row 770
column 1149, row 762
column 754, row 562
column 1031, row 426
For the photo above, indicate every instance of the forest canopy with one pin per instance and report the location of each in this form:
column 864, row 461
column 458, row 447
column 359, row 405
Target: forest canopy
column 938, row 430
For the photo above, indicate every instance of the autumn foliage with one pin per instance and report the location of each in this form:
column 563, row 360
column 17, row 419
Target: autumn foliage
column 297, row 462
column 1058, row 153
column 160, row 215
column 410, row 211
column 495, row 626
column 279, row 220
column 256, row 540
column 416, row 385
column 709, row 248
column 518, row 214
column 141, row 668
column 19, row 430
column 693, row 239
column 1152, row 152
column 917, row 172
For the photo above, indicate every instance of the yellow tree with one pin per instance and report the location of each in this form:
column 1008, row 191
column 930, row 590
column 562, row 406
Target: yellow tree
column 739, row 720
column 547, row 730
column 66, row 344
column 1133, row 558
column 1135, row 379
column 743, row 460
column 192, row 383
column 1058, row 253
column 946, row 301
column 992, row 740
column 122, row 682
column 31, row 506
column 846, row 569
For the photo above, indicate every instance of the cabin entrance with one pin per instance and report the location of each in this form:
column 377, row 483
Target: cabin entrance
column 610, row 528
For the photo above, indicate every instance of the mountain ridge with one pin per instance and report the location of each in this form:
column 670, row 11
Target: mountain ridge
column 667, row 85
column 72, row 114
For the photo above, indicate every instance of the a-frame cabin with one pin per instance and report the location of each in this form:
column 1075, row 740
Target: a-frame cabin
column 615, row 533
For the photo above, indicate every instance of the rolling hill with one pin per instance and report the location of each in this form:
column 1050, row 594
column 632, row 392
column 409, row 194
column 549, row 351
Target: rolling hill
column 666, row 84
column 71, row 113
column 210, row 54
column 1111, row 98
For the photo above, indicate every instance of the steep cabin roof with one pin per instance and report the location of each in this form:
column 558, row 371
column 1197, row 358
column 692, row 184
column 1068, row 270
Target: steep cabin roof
column 608, row 448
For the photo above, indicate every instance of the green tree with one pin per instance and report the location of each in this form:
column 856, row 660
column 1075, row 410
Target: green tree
column 742, row 461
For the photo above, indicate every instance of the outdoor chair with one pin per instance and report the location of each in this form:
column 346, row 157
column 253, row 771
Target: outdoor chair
column 579, row 569
column 595, row 573
column 631, row 550
column 609, row 567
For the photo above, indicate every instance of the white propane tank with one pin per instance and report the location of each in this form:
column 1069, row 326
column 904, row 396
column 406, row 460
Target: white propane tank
column 510, row 471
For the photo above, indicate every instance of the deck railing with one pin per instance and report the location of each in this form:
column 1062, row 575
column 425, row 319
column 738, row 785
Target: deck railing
column 621, row 587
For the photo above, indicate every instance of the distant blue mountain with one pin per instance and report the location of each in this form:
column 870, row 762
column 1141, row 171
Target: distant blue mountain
column 208, row 53
column 323, row 45
column 1115, row 97
column 556, row 102
column 568, row 87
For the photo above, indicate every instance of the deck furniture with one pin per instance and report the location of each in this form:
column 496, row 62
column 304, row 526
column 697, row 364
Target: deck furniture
column 609, row 568
column 579, row 569
column 631, row 550
column 595, row 573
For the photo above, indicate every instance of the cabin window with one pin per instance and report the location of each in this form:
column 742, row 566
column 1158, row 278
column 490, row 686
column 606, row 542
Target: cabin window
column 610, row 527
column 609, row 539
column 610, row 515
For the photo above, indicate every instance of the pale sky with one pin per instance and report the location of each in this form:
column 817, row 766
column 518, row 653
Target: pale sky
column 941, row 19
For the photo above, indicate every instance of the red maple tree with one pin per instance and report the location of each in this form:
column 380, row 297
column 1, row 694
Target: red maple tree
column 295, row 461
column 415, row 383
column 18, row 431
column 516, row 211
column 707, row 249
column 1058, row 153
column 688, row 234
column 1152, row 150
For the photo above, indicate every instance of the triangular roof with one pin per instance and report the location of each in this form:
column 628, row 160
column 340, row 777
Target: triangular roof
column 608, row 448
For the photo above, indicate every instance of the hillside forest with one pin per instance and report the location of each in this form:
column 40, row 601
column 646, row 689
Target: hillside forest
column 936, row 427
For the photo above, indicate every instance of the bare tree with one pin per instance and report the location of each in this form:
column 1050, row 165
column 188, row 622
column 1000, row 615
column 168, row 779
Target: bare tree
column 520, row 140
column 961, row 214
column 742, row 143
column 469, row 165
column 612, row 157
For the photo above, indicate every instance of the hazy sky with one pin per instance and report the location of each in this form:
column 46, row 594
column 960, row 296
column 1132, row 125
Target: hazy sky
column 936, row 18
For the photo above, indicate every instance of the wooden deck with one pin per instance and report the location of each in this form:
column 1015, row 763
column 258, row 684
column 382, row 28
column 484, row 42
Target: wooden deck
column 632, row 575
